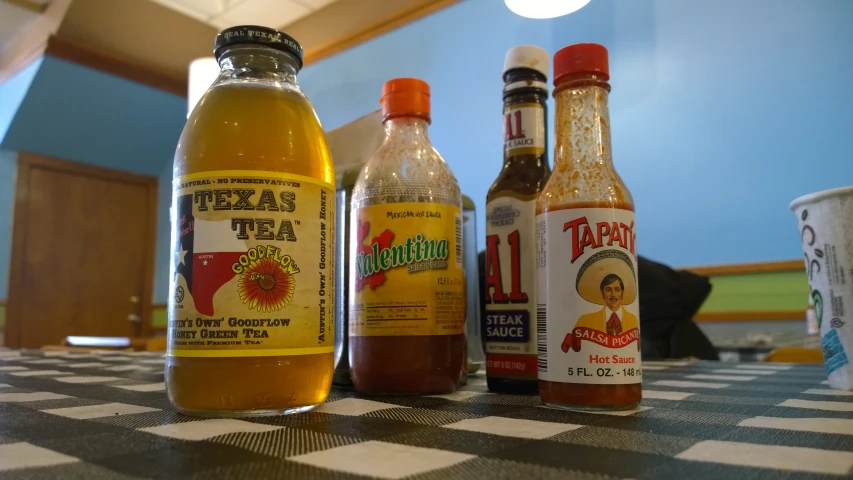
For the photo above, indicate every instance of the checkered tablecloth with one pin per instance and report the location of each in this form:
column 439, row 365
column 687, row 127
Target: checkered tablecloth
column 104, row 416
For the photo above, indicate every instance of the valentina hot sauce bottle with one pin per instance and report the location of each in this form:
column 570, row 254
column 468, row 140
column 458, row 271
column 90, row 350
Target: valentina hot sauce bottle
column 588, row 305
column 406, row 287
column 510, row 292
column 251, row 313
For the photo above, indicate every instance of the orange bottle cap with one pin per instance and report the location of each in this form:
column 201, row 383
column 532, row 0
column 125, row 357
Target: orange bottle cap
column 405, row 97
column 588, row 58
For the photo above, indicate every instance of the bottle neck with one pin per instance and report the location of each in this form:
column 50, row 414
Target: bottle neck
column 259, row 64
column 525, row 162
column 524, row 79
column 582, row 118
column 407, row 129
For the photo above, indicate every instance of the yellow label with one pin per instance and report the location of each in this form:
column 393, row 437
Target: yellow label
column 406, row 270
column 253, row 266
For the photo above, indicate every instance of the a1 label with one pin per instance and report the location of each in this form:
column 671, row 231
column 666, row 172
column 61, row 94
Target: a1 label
column 510, row 298
column 588, row 300
column 406, row 270
column 524, row 129
column 253, row 265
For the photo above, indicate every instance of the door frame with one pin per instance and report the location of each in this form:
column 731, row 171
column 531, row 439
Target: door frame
column 26, row 163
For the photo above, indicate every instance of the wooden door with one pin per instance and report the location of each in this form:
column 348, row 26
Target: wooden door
column 82, row 253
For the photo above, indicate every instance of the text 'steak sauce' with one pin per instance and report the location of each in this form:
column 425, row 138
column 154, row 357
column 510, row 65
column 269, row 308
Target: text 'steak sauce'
column 510, row 266
column 588, row 305
column 251, row 314
column 406, row 286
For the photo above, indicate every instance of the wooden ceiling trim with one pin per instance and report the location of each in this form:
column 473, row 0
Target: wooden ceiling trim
column 112, row 64
column 28, row 5
column 353, row 22
column 30, row 43
column 76, row 37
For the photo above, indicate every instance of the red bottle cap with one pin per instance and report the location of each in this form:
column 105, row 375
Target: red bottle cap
column 405, row 97
column 588, row 58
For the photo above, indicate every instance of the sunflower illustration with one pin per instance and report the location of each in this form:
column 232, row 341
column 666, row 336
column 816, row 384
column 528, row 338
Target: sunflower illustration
column 265, row 286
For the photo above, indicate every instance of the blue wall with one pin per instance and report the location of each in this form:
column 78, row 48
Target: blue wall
column 723, row 111
column 79, row 114
column 12, row 93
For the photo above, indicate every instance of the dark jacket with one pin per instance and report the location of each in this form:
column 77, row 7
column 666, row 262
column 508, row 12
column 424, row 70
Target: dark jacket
column 668, row 301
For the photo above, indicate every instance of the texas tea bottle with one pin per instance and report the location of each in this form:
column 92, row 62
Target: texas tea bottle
column 406, row 298
column 588, row 305
column 253, row 211
column 510, row 295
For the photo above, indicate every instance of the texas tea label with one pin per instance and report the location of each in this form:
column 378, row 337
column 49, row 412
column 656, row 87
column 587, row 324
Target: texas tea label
column 524, row 129
column 253, row 266
column 588, row 305
column 406, row 270
column 510, row 295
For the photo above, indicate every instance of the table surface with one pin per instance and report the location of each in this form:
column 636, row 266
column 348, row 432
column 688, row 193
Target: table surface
column 104, row 416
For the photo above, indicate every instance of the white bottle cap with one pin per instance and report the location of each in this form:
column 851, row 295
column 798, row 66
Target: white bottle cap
column 527, row 56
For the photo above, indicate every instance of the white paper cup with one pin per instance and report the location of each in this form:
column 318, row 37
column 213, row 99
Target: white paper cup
column 826, row 231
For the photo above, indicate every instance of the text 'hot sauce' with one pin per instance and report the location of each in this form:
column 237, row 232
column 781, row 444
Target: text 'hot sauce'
column 406, row 285
column 588, row 302
column 510, row 266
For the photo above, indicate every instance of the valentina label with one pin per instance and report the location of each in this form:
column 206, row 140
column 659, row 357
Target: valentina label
column 415, row 253
column 406, row 264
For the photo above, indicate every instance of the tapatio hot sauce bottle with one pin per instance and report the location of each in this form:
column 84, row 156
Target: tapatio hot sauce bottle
column 251, row 314
column 588, row 305
column 510, row 293
column 406, row 288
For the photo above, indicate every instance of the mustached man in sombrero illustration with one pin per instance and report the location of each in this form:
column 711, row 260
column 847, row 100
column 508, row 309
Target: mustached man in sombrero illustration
column 613, row 319
column 607, row 279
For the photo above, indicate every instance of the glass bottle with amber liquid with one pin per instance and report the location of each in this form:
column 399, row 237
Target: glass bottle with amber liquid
column 406, row 286
column 588, row 299
column 510, row 261
column 253, row 215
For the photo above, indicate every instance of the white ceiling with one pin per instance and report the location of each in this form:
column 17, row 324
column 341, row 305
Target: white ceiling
column 12, row 20
column 227, row 13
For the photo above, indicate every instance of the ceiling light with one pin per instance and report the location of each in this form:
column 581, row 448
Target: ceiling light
column 545, row 8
